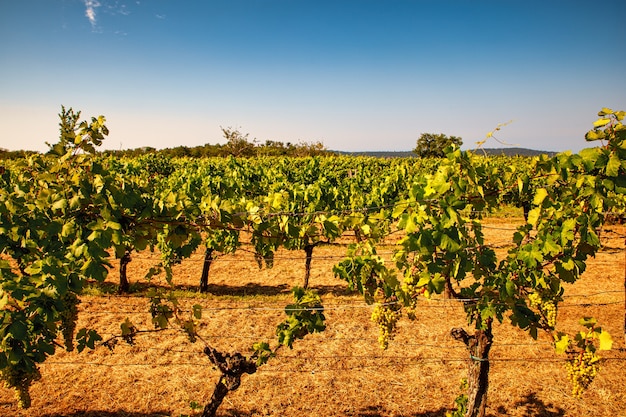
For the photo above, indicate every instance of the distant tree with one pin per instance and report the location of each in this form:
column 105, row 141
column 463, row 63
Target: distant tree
column 431, row 145
column 178, row 152
column 273, row 148
column 310, row 149
column 237, row 144
column 7, row 154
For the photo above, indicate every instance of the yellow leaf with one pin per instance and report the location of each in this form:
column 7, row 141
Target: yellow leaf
column 606, row 341
column 561, row 343
column 604, row 111
column 601, row 122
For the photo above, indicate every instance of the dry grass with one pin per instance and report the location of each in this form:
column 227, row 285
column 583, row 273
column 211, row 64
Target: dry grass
column 340, row 372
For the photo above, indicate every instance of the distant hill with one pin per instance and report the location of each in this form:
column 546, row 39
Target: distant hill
column 488, row 151
column 514, row 152
column 378, row 154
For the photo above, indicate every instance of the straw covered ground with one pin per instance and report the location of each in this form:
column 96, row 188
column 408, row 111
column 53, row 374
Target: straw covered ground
column 340, row 372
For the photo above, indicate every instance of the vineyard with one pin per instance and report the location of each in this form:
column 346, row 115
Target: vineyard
column 312, row 286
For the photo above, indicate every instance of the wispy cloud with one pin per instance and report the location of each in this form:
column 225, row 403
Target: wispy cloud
column 90, row 11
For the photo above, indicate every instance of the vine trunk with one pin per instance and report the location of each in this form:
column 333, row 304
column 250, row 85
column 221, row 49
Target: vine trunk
column 204, row 278
column 478, row 345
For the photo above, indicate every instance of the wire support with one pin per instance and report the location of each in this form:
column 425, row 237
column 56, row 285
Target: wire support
column 356, row 305
column 397, row 361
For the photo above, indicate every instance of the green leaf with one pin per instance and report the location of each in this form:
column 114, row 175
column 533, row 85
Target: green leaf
column 449, row 244
column 59, row 204
column 34, row 268
column 612, row 167
column 86, row 339
column 511, row 288
column 67, row 229
column 438, row 283
column 533, row 216
column 424, row 279
column 127, row 328
column 551, row 247
column 601, row 122
column 197, row 311
column 18, row 330
column 588, row 322
column 160, row 321
column 398, row 209
column 114, row 225
column 605, row 111
column 567, row 231
column 540, row 195
column 593, row 135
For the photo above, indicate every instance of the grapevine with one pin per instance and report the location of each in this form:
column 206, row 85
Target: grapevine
column 443, row 247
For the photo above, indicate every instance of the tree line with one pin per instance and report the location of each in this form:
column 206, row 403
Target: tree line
column 238, row 144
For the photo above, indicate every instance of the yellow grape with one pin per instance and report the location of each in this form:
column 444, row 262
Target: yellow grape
column 386, row 318
column 20, row 381
column 68, row 319
column 582, row 369
column 546, row 307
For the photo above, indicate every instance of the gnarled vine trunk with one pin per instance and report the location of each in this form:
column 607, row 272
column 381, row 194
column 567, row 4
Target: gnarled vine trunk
column 478, row 345
column 526, row 207
column 448, row 292
column 124, row 284
column 232, row 368
column 204, row 278
column 308, row 250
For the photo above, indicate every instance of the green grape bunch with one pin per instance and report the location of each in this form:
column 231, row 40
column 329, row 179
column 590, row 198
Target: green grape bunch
column 583, row 362
column 386, row 316
column 547, row 308
column 20, row 380
column 582, row 368
column 68, row 317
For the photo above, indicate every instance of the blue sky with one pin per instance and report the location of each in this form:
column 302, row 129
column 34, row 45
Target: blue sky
column 354, row 74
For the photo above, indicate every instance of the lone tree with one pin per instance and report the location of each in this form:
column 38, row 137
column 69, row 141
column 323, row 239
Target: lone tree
column 237, row 143
column 431, row 145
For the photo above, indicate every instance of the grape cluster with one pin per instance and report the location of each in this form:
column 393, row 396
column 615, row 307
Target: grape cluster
column 20, row 380
column 546, row 307
column 386, row 318
column 581, row 370
column 68, row 319
column 409, row 287
column 413, row 293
